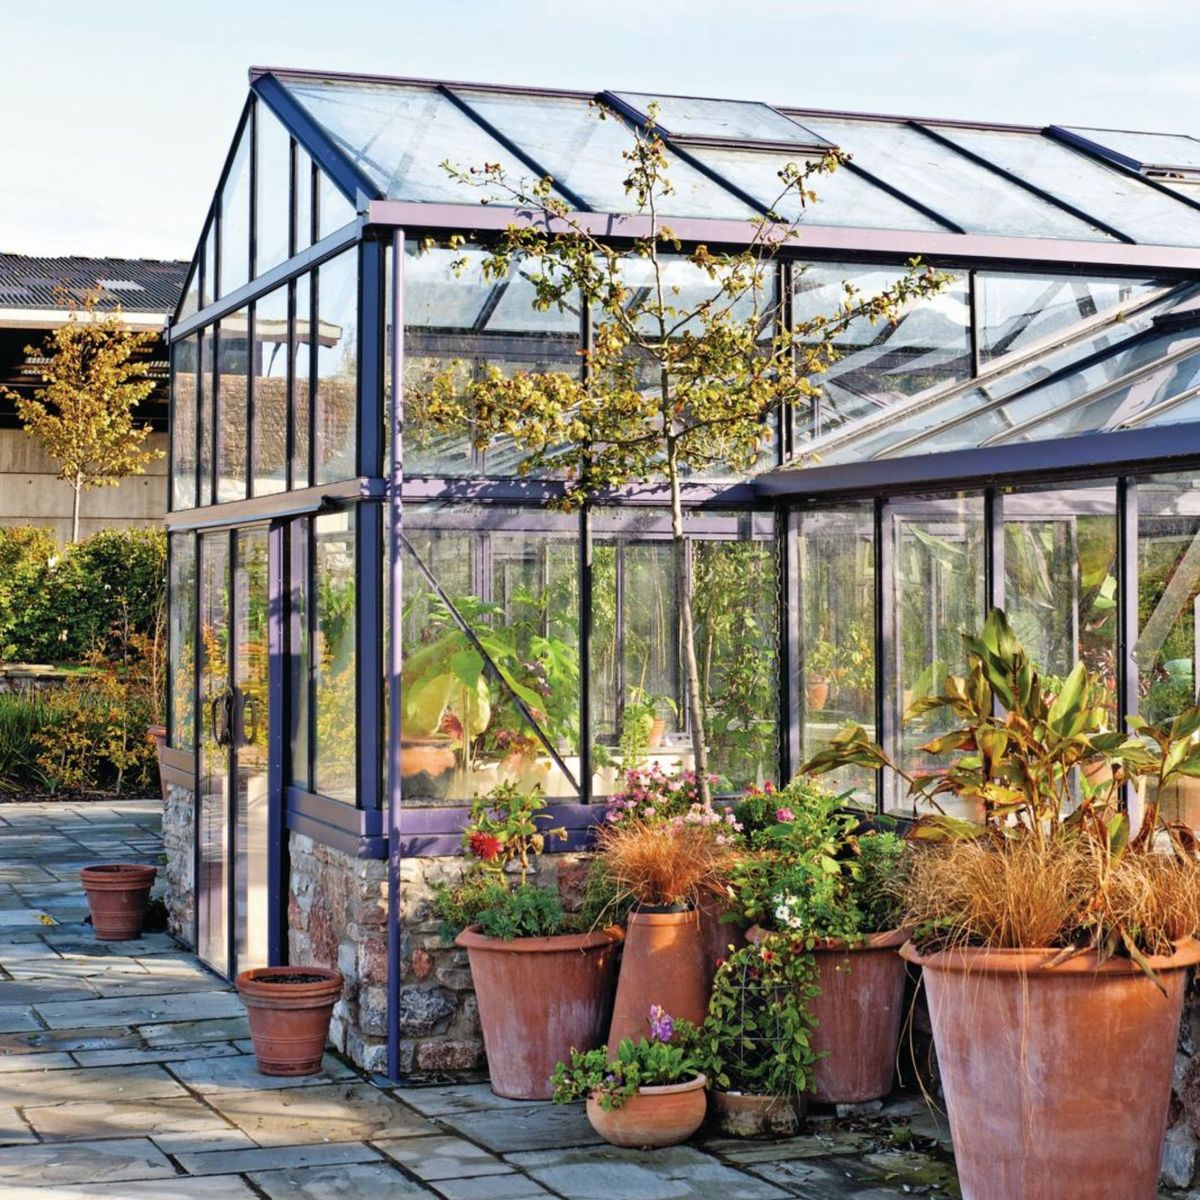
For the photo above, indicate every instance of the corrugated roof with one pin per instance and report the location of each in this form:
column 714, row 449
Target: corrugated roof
column 136, row 284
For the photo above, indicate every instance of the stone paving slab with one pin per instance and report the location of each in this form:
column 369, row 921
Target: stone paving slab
column 529, row 1127
column 433, row 1158
column 363, row 1181
column 273, row 1158
column 27, row 1087
column 124, row 1057
column 188, row 1033
column 40, row 1041
column 238, row 1074
column 502, row 1187
column 135, row 1010
column 104, row 1161
column 81, row 1121
column 15, row 1018
column 178, row 1188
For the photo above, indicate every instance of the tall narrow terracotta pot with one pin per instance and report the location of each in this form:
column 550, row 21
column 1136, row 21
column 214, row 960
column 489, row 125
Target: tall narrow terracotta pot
column 117, row 895
column 1057, row 1080
column 716, row 936
column 288, row 1010
column 663, row 963
column 858, row 1015
column 539, row 998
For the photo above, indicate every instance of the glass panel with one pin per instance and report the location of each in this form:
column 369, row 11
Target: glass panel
column 250, row 720
column 208, row 283
column 836, row 565
column 566, row 138
column 299, row 663
column 1018, row 311
column 1060, row 581
column 185, row 414
column 213, row 808
column 928, row 347
column 978, row 200
column 842, row 198
column 302, row 374
column 1117, row 199
column 233, row 362
column 937, row 595
column 333, row 209
column 206, row 414
column 235, row 219
column 181, row 633
column 305, row 178
column 1148, row 149
column 272, row 191
column 189, row 305
column 333, row 654
column 337, row 368
column 1167, row 646
column 746, row 120
column 270, row 365
column 512, row 576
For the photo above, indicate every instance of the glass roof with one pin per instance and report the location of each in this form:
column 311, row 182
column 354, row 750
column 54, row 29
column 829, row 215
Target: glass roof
column 1146, row 149
column 737, row 120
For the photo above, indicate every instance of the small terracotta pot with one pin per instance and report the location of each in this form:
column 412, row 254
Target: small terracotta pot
column 652, row 1116
column 539, row 998
column 427, row 766
column 739, row 1114
column 816, row 691
column 858, row 1015
column 1057, row 1079
column 117, row 894
column 658, row 731
column 289, row 1022
column 158, row 735
column 663, row 963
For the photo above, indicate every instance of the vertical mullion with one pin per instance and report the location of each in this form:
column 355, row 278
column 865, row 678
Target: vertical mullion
column 311, row 413
column 973, row 314
column 370, row 409
column 585, row 654
column 993, row 542
column 791, row 694
column 277, row 726
column 1127, row 598
column 885, row 630
column 197, row 731
column 251, row 388
column 231, row 807
column 368, row 533
column 201, row 394
column 310, row 673
column 289, row 423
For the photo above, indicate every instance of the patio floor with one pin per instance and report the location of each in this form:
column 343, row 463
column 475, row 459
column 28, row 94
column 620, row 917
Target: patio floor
column 125, row 1072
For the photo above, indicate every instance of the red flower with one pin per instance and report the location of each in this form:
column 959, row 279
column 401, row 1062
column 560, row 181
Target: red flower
column 485, row 846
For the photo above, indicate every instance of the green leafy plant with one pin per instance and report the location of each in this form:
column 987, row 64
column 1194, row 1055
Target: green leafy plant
column 498, row 910
column 505, row 829
column 23, row 716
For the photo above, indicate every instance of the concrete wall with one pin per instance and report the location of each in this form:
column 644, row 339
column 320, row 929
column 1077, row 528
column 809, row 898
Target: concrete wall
column 30, row 494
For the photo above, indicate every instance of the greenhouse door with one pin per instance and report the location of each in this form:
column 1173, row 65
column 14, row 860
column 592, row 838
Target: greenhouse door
column 231, row 827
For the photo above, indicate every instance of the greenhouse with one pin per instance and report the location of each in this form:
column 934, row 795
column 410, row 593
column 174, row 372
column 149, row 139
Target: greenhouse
column 373, row 620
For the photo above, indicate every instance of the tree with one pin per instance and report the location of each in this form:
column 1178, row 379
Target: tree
column 670, row 387
column 94, row 374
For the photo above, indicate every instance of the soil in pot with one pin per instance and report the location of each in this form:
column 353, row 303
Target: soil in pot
column 738, row 1114
column 653, row 1116
column 858, row 1015
column 1057, row 1080
column 539, row 998
column 288, row 1010
column 117, row 895
column 662, row 963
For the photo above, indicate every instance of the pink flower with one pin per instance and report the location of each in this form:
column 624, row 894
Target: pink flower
column 784, row 814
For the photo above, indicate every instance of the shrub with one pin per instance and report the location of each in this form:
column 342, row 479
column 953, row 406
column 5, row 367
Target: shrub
column 499, row 911
column 23, row 716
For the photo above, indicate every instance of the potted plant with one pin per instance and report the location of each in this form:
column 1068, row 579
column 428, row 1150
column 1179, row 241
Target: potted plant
column 756, row 1043
column 645, row 1094
column 117, row 896
column 288, row 1010
column 664, row 862
column 821, row 876
column 1053, row 937
column 820, row 661
column 543, row 984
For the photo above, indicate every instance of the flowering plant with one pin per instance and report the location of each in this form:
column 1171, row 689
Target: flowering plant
column 666, row 1056
column 504, row 828
column 652, row 796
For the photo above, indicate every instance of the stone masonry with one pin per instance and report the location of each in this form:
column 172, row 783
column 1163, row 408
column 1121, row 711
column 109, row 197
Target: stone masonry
column 175, row 879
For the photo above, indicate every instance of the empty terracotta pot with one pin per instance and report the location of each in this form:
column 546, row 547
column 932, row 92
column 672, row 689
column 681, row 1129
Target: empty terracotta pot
column 288, row 1009
column 1057, row 1080
column 539, row 998
column 117, row 894
column 858, row 1015
column 738, row 1114
column 663, row 963
column 652, row 1116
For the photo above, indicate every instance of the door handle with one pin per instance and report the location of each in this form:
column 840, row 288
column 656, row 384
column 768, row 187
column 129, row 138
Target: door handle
column 221, row 717
column 249, row 709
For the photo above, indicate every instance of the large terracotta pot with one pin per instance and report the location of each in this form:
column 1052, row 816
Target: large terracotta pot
column 738, row 1114
column 539, row 998
column 716, row 936
column 288, row 1010
column 663, row 963
column 117, row 895
column 158, row 735
column 1057, row 1080
column 816, row 691
column 652, row 1116
column 858, row 1015
column 426, row 766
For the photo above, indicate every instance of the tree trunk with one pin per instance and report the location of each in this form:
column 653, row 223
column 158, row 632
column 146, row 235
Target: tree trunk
column 76, row 487
column 694, row 696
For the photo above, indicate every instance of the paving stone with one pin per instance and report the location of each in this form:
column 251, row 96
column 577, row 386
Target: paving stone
column 143, row 983
column 132, row 1010
column 529, row 1127
column 13, row 918
column 241, row 1073
column 496, row 1187
column 340, row 1112
column 811, row 1179
column 238, row 1162
column 187, row 1033
column 15, row 1017
column 86, row 1083
column 676, row 1173
column 101, row 1162
column 454, row 1098
column 13, row 1129
column 22, row 1064
column 362, row 1181
column 120, row 1058
column 80, row 1121
column 180, row 1188
column 42, row 1040
column 221, row 1137
column 442, row 1157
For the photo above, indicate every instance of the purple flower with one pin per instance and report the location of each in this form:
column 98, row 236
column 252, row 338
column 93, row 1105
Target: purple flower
column 662, row 1027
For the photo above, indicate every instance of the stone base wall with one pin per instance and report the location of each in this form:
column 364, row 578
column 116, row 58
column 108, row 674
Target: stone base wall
column 176, row 878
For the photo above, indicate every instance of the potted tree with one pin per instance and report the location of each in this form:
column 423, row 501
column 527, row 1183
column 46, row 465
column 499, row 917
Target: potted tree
column 644, row 1094
column 1054, row 938
column 756, row 1044
column 543, row 984
column 819, row 874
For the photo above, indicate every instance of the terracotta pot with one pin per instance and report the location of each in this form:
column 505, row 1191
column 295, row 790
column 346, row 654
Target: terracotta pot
column 158, row 735
column 663, row 963
column 652, row 1116
column 1057, row 1081
column 816, row 691
column 117, row 894
column 739, row 1114
column 289, row 1021
column 657, row 732
column 426, row 766
column 858, row 1015
column 539, row 998
column 716, row 936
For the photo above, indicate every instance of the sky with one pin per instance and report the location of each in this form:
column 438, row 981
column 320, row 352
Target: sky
column 115, row 117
